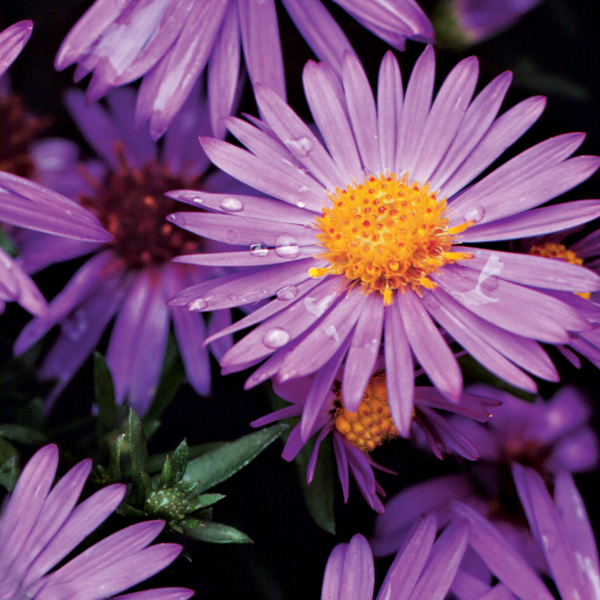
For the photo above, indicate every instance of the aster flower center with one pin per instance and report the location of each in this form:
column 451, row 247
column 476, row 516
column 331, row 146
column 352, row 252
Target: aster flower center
column 387, row 234
column 130, row 204
column 371, row 425
column 560, row 252
column 18, row 129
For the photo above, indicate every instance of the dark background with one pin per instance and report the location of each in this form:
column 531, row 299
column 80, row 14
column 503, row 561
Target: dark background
column 553, row 51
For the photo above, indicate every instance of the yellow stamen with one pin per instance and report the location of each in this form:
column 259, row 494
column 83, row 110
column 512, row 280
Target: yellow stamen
column 371, row 425
column 387, row 234
column 560, row 252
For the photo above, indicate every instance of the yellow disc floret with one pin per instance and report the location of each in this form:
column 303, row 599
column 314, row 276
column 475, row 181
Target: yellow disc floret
column 560, row 252
column 371, row 425
column 387, row 234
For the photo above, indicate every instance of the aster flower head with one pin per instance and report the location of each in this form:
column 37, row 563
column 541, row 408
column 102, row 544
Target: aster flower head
column 356, row 434
column 424, row 567
column 34, row 207
column 562, row 532
column 169, row 43
column 40, row 525
column 131, row 277
column 367, row 237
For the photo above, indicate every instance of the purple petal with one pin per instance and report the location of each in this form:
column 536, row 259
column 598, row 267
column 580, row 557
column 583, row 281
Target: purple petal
column 417, row 101
column 158, row 594
column 362, row 112
column 445, row 118
column 320, row 30
column 399, row 368
column 224, row 70
column 429, row 347
column 363, row 352
column 389, row 107
column 12, row 41
column 330, row 117
column 262, row 46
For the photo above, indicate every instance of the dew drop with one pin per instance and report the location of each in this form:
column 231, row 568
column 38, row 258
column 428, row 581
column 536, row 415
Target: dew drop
column 332, row 332
column 548, row 541
column 276, row 338
column 300, row 204
column 197, row 200
column 177, row 218
column 300, row 146
column 303, row 189
column 475, row 214
column 286, row 246
column 259, row 250
column 289, row 292
column 197, row 304
column 231, row 236
column 75, row 325
column 231, row 205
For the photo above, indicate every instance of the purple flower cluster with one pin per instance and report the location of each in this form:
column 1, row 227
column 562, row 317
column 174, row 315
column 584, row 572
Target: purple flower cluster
column 369, row 251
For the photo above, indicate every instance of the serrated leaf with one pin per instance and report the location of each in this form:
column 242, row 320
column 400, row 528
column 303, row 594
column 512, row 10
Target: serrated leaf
column 203, row 501
column 319, row 495
column 23, row 435
column 104, row 391
column 173, row 375
column 216, row 466
column 217, row 533
column 9, row 472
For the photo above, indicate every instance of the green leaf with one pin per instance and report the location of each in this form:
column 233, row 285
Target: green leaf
column 220, row 464
column 156, row 462
column 217, row 533
column 22, row 435
column 173, row 375
column 9, row 472
column 116, row 449
column 203, row 501
column 319, row 495
column 137, row 441
column 104, row 391
column 180, row 461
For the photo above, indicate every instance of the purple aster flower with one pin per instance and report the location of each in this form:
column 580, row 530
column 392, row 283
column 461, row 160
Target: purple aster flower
column 552, row 437
column 170, row 42
column 562, row 531
column 40, row 526
column 131, row 277
column 423, row 569
column 356, row 434
column 362, row 239
column 32, row 206
column 467, row 22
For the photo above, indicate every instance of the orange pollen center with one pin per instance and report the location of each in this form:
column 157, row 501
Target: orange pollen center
column 371, row 425
column 387, row 234
column 560, row 252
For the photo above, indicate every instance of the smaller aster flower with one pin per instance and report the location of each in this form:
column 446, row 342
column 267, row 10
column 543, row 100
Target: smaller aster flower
column 461, row 23
column 562, row 531
column 423, row 569
column 130, row 277
column 365, row 246
column 30, row 205
column 40, row 525
column 169, row 43
column 551, row 437
column 356, row 434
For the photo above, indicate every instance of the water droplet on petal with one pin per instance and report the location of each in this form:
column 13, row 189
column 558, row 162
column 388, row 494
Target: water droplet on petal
column 300, row 146
column 259, row 250
column 300, row 204
column 231, row 236
column 276, row 338
column 177, row 218
column 332, row 332
column 289, row 292
column 475, row 214
column 548, row 541
column 303, row 189
column 75, row 325
column 197, row 200
column 197, row 304
column 286, row 246
column 231, row 205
